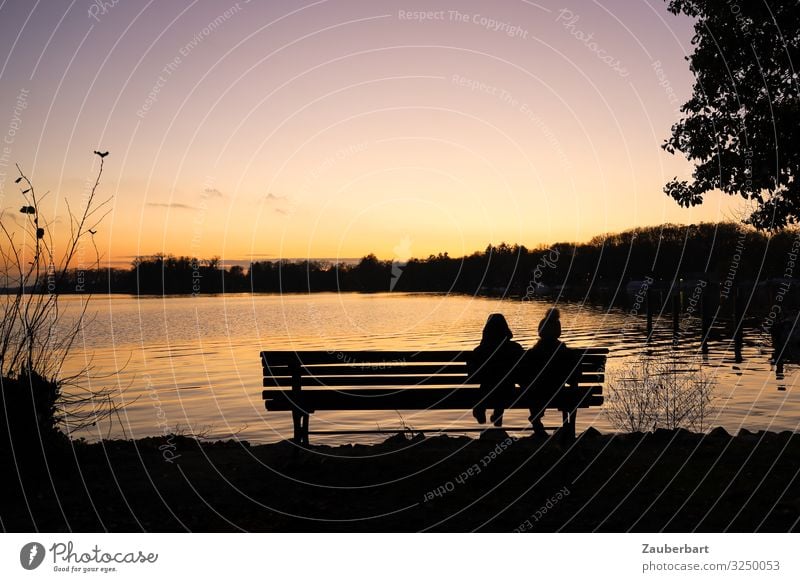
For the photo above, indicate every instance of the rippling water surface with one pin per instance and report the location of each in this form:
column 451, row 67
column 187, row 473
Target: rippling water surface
column 192, row 363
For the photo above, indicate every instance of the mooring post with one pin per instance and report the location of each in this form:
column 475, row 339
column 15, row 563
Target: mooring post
column 705, row 326
column 676, row 316
column 738, row 321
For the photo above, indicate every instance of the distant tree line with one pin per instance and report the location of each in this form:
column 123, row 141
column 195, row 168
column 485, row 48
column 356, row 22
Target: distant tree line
column 727, row 253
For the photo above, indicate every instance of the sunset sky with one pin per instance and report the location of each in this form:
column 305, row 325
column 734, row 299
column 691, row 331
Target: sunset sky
column 338, row 128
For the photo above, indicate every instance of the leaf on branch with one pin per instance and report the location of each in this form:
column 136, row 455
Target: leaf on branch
column 18, row 180
column 39, row 233
column 27, row 210
column 26, row 191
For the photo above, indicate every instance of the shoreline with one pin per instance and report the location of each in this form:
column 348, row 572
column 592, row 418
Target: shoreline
column 663, row 481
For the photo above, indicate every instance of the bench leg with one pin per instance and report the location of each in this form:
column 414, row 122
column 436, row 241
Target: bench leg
column 300, row 422
column 568, row 427
column 304, row 427
column 296, row 424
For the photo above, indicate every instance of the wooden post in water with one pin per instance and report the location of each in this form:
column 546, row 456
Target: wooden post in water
column 705, row 326
column 676, row 313
column 738, row 321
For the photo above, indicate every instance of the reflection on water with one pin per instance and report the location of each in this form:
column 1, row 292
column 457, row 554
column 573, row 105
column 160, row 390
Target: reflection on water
column 193, row 363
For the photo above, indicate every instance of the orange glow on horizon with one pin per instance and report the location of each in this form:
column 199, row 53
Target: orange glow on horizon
column 353, row 129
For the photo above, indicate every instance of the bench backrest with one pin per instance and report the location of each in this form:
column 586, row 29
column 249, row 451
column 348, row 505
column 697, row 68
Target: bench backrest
column 296, row 369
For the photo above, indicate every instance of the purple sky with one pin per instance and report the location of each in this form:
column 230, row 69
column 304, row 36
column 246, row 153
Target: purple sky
column 340, row 128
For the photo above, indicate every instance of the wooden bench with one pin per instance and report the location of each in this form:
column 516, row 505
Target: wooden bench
column 303, row 382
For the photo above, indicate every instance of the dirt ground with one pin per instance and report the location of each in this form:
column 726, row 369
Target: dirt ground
column 665, row 481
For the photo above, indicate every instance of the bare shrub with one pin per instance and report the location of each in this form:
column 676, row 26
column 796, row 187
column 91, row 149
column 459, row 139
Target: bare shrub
column 35, row 335
column 666, row 391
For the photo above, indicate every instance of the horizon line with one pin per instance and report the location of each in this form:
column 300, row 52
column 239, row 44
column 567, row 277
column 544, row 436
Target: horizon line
column 243, row 262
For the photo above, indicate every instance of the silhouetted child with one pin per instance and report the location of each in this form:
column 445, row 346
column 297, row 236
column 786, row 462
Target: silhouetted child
column 493, row 364
column 547, row 367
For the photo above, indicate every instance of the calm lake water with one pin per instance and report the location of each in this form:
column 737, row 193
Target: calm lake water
column 192, row 363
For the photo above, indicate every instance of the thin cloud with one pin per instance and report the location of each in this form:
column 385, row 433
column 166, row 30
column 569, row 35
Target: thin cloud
column 213, row 193
column 11, row 214
column 10, row 217
column 273, row 198
column 279, row 203
column 177, row 205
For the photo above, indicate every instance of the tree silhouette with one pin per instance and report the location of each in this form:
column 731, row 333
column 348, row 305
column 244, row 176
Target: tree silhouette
column 742, row 121
column 600, row 270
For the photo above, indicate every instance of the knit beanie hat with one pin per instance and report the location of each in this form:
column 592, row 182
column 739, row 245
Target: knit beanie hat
column 550, row 326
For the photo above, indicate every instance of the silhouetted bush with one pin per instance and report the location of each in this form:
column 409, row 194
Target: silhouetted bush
column 35, row 338
column 665, row 391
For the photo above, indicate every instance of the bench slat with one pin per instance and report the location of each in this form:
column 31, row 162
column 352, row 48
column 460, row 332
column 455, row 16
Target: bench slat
column 351, row 357
column 286, row 357
column 425, row 399
column 277, row 381
column 373, row 381
column 381, row 392
column 372, row 370
column 368, row 369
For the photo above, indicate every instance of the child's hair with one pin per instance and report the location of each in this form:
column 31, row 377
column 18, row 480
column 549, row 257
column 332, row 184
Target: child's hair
column 496, row 329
